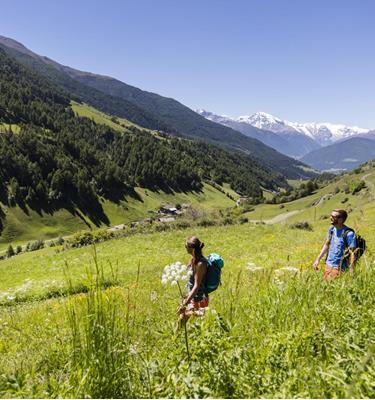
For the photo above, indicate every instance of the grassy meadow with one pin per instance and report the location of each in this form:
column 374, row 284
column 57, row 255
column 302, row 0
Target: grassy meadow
column 97, row 322
column 21, row 227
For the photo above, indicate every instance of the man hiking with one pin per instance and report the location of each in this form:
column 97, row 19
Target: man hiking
column 340, row 241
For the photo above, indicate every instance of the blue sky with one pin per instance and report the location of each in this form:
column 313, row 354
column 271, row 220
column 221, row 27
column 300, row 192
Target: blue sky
column 296, row 59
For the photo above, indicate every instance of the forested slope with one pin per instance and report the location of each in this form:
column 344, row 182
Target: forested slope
column 60, row 160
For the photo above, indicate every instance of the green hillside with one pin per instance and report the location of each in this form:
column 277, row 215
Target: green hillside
column 21, row 227
column 150, row 110
column 342, row 156
column 343, row 192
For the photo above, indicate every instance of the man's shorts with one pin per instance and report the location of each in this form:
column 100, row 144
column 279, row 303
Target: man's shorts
column 331, row 273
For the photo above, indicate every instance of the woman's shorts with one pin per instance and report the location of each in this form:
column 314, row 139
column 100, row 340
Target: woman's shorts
column 196, row 305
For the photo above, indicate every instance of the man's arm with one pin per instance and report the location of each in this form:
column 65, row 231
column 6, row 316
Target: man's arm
column 323, row 252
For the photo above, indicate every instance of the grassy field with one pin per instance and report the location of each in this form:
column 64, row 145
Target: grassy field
column 336, row 196
column 118, row 124
column 6, row 127
column 97, row 322
column 20, row 228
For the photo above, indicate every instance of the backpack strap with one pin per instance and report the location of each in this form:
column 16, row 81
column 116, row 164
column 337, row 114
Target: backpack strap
column 330, row 233
column 345, row 234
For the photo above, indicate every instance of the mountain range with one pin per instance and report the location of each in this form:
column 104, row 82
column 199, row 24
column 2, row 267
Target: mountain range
column 296, row 139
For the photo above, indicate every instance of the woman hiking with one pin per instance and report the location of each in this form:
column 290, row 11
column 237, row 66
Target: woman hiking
column 197, row 297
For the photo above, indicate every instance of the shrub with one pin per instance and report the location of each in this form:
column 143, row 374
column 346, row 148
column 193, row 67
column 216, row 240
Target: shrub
column 10, row 251
column 18, row 249
column 182, row 225
column 359, row 187
column 206, row 222
column 344, row 200
column 39, row 244
column 60, row 240
column 86, row 238
column 302, row 225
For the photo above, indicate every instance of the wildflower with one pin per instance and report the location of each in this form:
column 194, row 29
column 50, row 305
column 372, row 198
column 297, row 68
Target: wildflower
column 200, row 312
column 153, row 296
column 253, row 268
column 288, row 269
column 133, row 349
column 280, row 284
column 174, row 273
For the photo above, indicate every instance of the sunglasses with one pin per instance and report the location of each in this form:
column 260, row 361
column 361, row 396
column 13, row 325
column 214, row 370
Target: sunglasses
column 335, row 216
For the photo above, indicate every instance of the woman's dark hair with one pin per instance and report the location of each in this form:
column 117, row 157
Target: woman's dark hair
column 194, row 243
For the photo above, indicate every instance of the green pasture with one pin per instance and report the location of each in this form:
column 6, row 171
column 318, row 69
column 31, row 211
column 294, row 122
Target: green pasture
column 21, row 227
column 338, row 199
column 116, row 123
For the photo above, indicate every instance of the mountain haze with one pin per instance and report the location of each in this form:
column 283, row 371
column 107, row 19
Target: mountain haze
column 341, row 156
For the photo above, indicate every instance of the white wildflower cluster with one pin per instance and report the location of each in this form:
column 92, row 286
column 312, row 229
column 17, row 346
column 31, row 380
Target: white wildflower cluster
column 253, row 268
column 133, row 349
column 201, row 312
column 287, row 270
column 279, row 283
column 282, row 273
column 174, row 273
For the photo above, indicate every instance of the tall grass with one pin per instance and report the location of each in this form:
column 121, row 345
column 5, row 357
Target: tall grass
column 101, row 365
column 294, row 336
column 265, row 334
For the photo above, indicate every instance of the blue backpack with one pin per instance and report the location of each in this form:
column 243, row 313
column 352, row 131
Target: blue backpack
column 214, row 265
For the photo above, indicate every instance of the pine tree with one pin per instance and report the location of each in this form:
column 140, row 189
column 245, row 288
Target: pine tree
column 10, row 251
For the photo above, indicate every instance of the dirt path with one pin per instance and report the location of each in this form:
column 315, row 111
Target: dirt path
column 368, row 182
column 279, row 218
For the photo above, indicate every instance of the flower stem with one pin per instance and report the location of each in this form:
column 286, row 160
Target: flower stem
column 179, row 288
column 185, row 327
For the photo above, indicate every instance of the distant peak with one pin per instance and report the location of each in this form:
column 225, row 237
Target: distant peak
column 212, row 116
column 13, row 44
column 259, row 118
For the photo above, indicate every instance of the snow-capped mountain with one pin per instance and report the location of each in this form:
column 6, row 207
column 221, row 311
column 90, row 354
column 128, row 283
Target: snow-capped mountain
column 324, row 133
column 269, row 131
column 301, row 138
